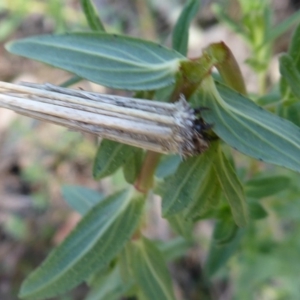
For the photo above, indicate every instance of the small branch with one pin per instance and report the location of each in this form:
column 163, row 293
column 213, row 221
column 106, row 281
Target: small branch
column 145, row 179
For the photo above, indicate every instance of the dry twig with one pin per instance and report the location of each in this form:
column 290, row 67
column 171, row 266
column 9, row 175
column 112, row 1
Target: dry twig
column 152, row 125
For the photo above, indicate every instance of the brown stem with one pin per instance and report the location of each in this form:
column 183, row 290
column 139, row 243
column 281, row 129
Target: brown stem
column 144, row 181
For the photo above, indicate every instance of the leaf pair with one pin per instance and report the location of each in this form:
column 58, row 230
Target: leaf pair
column 226, row 236
column 145, row 263
column 196, row 185
column 97, row 239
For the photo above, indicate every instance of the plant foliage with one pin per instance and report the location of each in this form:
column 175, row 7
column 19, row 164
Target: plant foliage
column 108, row 243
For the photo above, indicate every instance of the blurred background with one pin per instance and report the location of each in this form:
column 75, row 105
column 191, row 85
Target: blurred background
column 36, row 158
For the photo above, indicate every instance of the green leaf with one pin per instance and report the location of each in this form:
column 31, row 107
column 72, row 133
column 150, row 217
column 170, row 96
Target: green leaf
column 126, row 263
column 294, row 47
column 181, row 225
column 290, row 73
column 81, row 198
column 281, row 28
column 91, row 15
column 220, row 253
column 256, row 211
column 73, row 80
column 168, row 165
column 181, row 188
column 174, row 248
column 181, row 30
column 111, row 60
column 110, row 157
column 109, row 287
column 170, row 250
column 150, row 271
column 133, row 166
column 270, row 99
column 285, row 88
column 261, row 187
column 207, row 197
column 224, row 232
column 291, row 112
column 97, row 239
column 232, row 188
column 249, row 128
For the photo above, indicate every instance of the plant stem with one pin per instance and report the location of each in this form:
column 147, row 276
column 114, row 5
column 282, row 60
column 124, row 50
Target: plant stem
column 145, row 180
column 262, row 78
column 192, row 73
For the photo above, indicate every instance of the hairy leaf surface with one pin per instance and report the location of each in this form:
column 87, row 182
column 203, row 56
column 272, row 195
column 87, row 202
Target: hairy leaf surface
column 115, row 61
column 96, row 240
column 133, row 165
column 81, row 198
column 220, row 253
column 110, row 287
column 249, row 128
column 207, row 197
column 150, row 272
column 110, row 157
column 232, row 188
column 181, row 187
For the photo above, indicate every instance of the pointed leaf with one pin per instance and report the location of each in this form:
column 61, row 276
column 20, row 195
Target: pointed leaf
column 150, row 272
column 249, row 128
column 81, row 198
column 219, row 254
column 181, row 225
column 112, row 60
column 73, row 80
column 224, row 232
column 290, row 112
column 174, row 248
column 232, row 188
column 290, row 73
column 126, row 264
column 281, row 28
column 133, row 166
column 110, row 157
column 109, row 287
column 256, row 211
column 96, row 240
column 207, row 197
column 91, row 15
column 168, row 165
column 294, row 47
column 266, row 186
column 293, row 52
column 181, row 29
column 181, row 187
